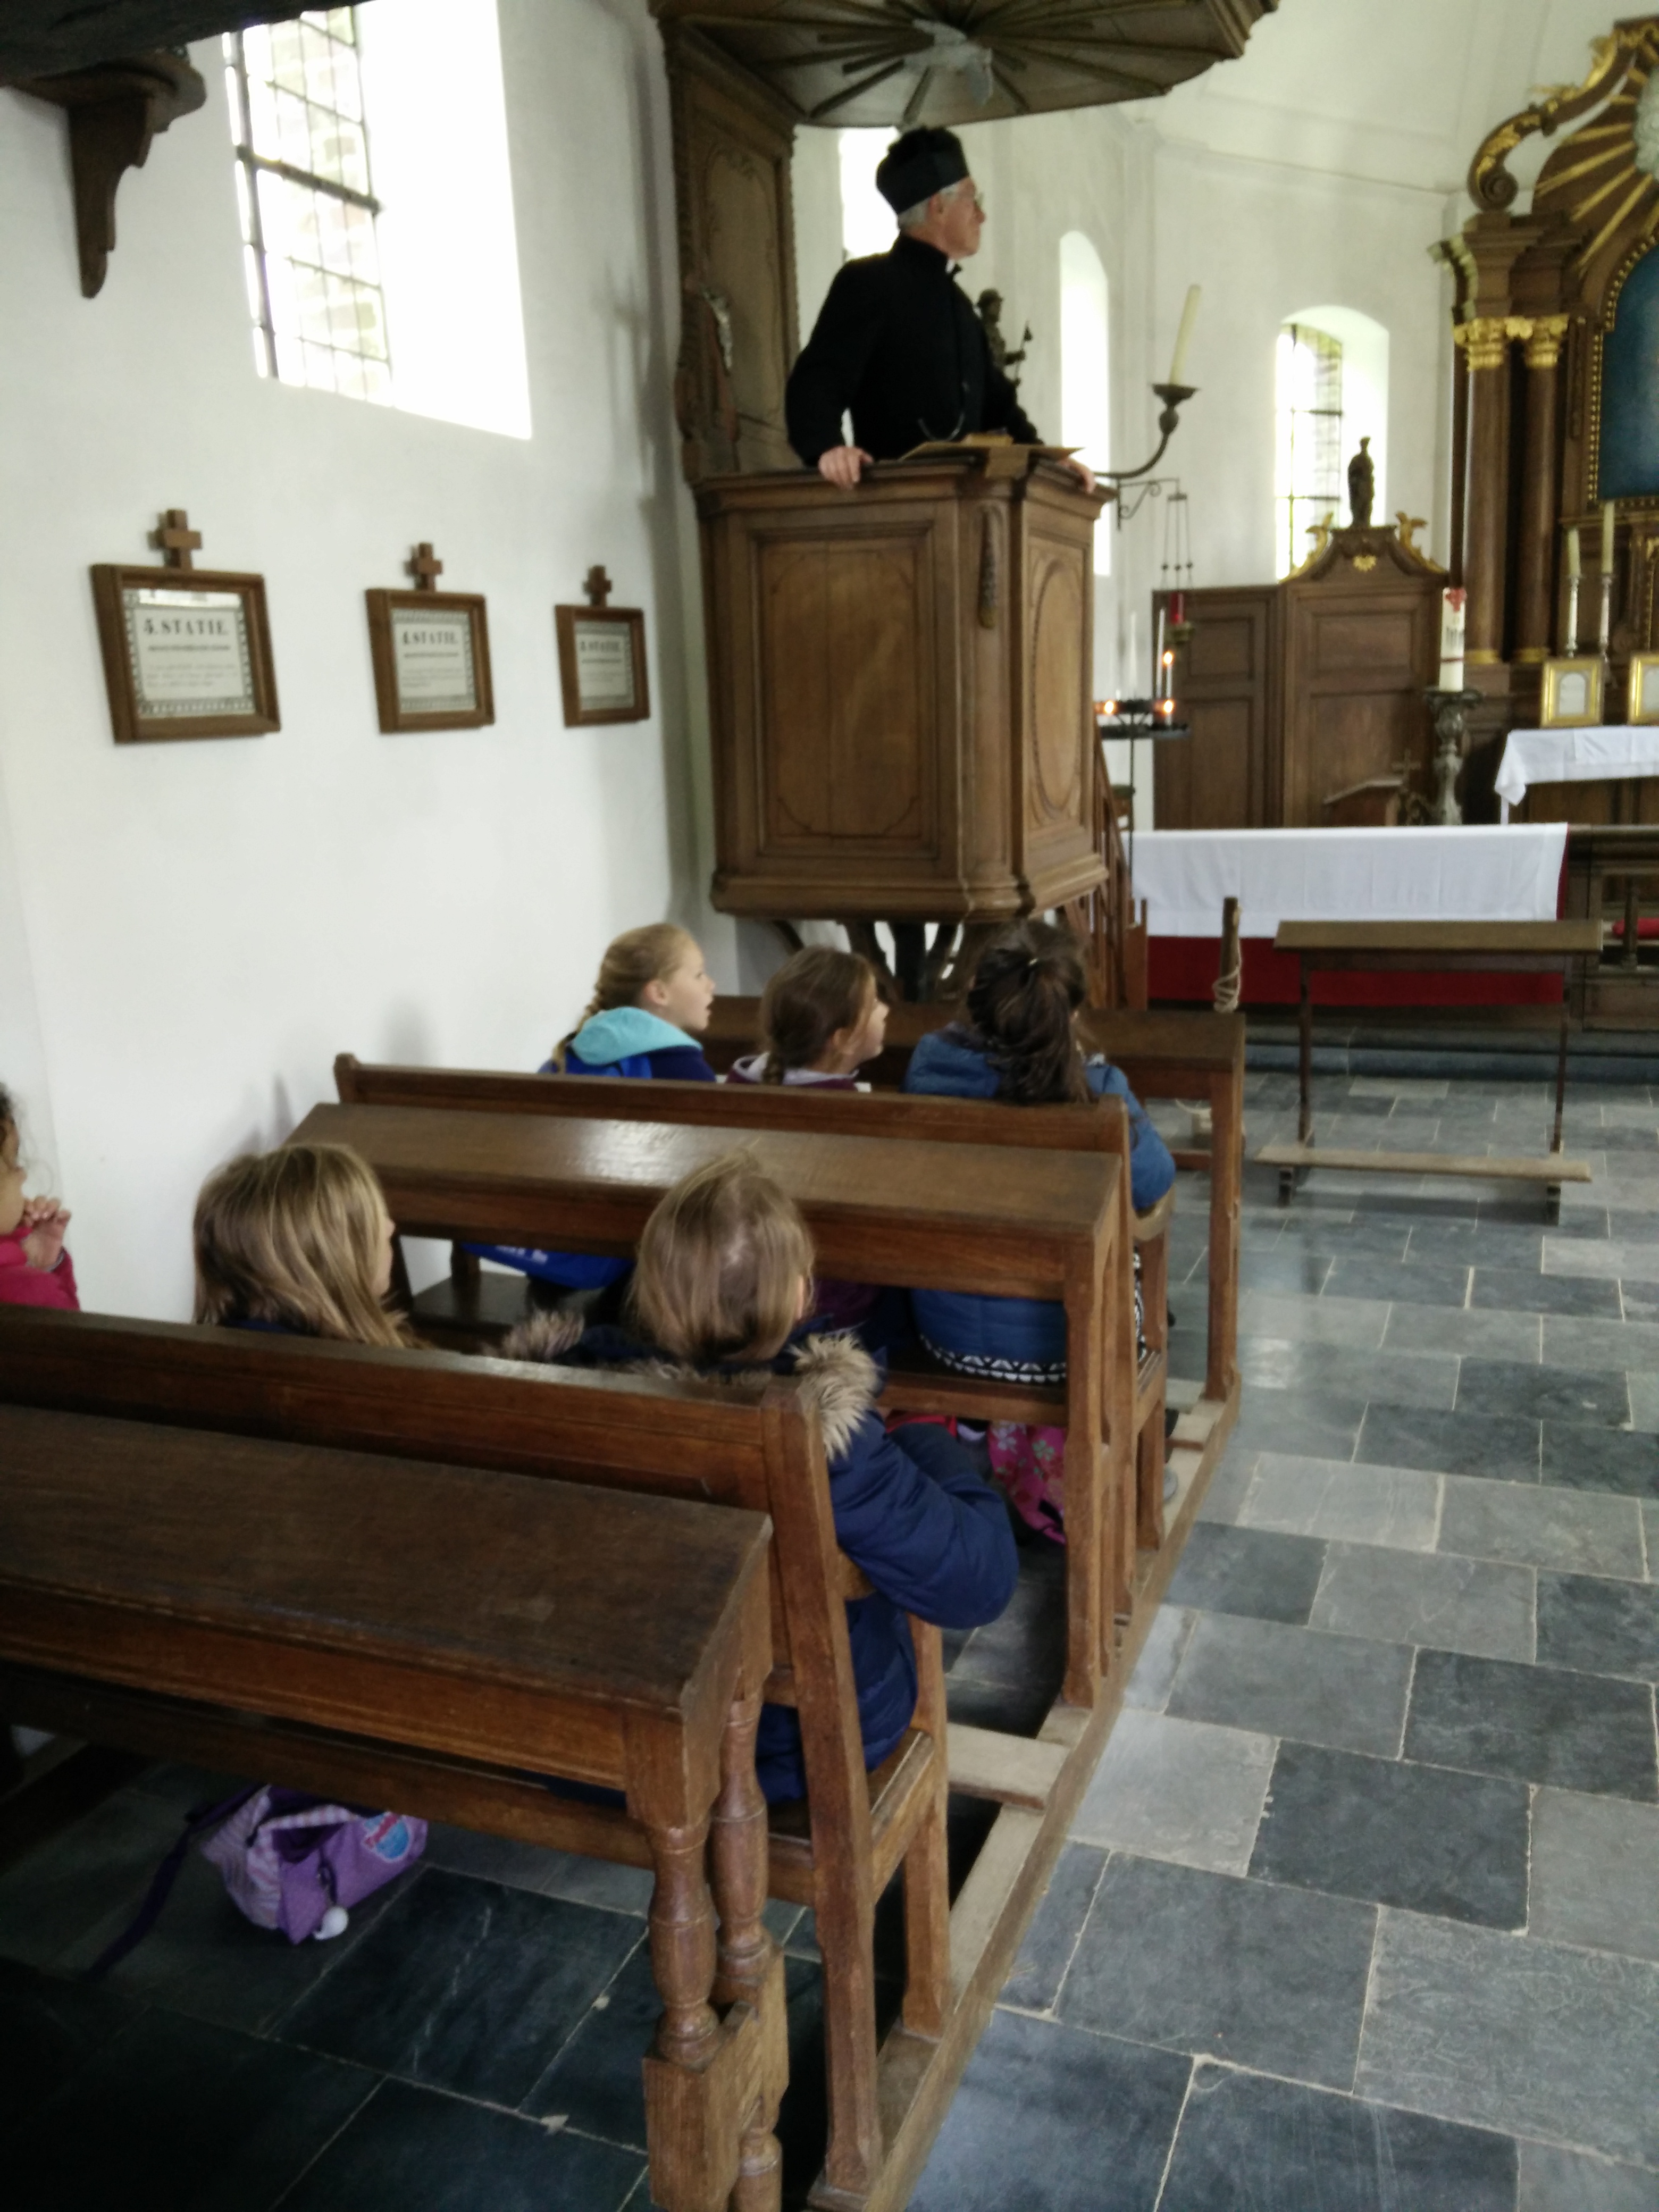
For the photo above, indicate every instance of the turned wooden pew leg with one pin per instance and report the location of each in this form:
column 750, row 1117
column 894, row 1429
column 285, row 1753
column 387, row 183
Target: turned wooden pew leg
column 1304, row 1059
column 748, row 1967
column 926, row 1865
column 1149, row 1445
column 1226, row 1173
column 679, row 2125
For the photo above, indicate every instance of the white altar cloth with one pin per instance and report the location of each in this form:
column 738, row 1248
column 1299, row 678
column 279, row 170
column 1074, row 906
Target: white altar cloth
column 1480, row 874
column 1575, row 756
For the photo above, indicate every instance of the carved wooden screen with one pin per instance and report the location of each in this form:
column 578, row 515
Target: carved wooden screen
column 731, row 146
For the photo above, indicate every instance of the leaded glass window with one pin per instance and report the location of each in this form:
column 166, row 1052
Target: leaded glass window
column 1308, row 480
column 307, row 204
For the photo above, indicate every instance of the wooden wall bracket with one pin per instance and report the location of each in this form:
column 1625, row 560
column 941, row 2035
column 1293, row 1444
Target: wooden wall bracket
column 115, row 109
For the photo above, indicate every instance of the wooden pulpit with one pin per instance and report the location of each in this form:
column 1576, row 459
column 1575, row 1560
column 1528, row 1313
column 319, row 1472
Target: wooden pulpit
column 900, row 690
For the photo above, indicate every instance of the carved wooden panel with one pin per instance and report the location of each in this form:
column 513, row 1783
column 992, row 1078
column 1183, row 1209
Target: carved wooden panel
column 1219, row 778
column 736, row 227
column 1060, row 726
column 843, row 630
column 1359, row 650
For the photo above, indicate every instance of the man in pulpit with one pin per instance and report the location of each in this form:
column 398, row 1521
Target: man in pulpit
column 897, row 342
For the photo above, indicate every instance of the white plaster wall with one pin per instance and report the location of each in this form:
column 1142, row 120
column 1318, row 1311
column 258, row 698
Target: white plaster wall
column 190, row 932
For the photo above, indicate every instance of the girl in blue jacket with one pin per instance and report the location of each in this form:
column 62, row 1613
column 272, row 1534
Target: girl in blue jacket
column 1019, row 1043
column 649, row 1006
column 723, row 1280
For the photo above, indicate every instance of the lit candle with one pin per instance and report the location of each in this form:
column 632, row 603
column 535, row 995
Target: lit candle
column 1573, row 570
column 1184, row 337
column 1607, row 537
column 1453, row 602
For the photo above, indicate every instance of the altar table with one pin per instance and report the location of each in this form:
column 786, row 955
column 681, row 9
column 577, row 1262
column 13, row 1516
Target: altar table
column 1598, row 755
column 1483, row 873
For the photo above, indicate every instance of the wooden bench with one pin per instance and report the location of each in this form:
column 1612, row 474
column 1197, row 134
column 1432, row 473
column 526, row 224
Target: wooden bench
column 496, row 1625
column 1137, row 1385
column 700, row 1442
column 1192, row 1056
column 1011, row 1223
column 1534, row 948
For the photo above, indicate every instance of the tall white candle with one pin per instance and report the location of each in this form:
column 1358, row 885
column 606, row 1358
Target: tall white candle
column 1573, row 568
column 1184, row 337
column 1453, row 603
column 1607, row 536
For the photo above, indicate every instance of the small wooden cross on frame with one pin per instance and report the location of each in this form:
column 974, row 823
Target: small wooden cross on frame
column 425, row 567
column 175, row 539
column 598, row 586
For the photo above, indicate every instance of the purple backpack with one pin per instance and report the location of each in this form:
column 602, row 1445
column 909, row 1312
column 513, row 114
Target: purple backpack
column 289, row 1861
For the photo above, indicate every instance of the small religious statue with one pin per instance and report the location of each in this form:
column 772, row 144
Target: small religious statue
column 989, row 308
column 1362, row 486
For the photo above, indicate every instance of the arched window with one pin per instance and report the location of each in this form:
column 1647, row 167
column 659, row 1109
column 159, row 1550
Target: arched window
column 867, row 220
column 1331, row 389
column 1085, row 391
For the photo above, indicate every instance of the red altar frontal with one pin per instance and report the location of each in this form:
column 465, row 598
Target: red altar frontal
column 1490, row 874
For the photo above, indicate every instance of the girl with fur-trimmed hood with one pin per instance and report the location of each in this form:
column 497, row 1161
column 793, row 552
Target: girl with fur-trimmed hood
column 723, row 1281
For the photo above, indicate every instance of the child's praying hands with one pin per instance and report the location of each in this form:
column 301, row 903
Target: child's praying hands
column 41, row 1231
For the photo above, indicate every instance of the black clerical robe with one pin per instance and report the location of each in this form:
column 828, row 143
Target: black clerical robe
column 898, row 342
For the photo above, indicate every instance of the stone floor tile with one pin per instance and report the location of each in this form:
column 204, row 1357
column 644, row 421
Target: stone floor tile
column 1297, row 1270
column 1148, row 1686
column 1644, row 1394
column 1602, row 1259
column 1242, row 1971
column 467, row 1986
column 1091, row 2115
column 1247, row 2143
column 1504, row 2031
column 1035, row 1980
column 1542, row 1525
column 1419, row 1087
column 88, row 1879
column 1538, row 1723
column 1320, row 1423
column 1177, row 1789
column 1421, row 1282
column 1396, row 1506
column 1229, row 1484
column 1418, row 1837
column 1451, row 1604
column 50, row 2028
column 1554, row 2180
column 595, row 2082
column 1247, row 1570
column 1528, row 1289
column 1355, row 1323
column 1282, row 1682
column 409, row 2146
column 1586, row 1458
column 1651, row 1537
column 1589, row 1345
column 1605, row 1627
column 1478, row 1335
column 1596, row 1873
column 1394, row 1379
column 176, row 2113
column 1547, row 1393
column 1493, row 1445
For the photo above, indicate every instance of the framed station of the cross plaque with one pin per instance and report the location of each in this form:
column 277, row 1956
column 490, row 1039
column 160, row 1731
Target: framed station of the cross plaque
column 431, row 653
column 187, row 653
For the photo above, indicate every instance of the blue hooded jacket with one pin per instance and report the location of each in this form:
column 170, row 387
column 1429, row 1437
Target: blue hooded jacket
column 910, row 1509
column 622, row 1041
column 1028, row 1333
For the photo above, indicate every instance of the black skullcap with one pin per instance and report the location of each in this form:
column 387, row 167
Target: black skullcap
column 918, row 165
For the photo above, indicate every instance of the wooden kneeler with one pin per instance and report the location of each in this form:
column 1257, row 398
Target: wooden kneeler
column 689, row 1440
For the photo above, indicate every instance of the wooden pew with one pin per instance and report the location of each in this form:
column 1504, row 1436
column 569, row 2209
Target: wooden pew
column 1137, row 1385
column 495, row 1624
column 1010, row 1223
column 1193, row 1056
column 1198, row 1056
column 700, row 1442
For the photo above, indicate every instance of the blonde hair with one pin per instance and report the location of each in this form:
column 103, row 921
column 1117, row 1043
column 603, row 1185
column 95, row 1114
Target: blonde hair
column 293, row 1236
column 631, row 961
column 720, row 1265
column 818, row 991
